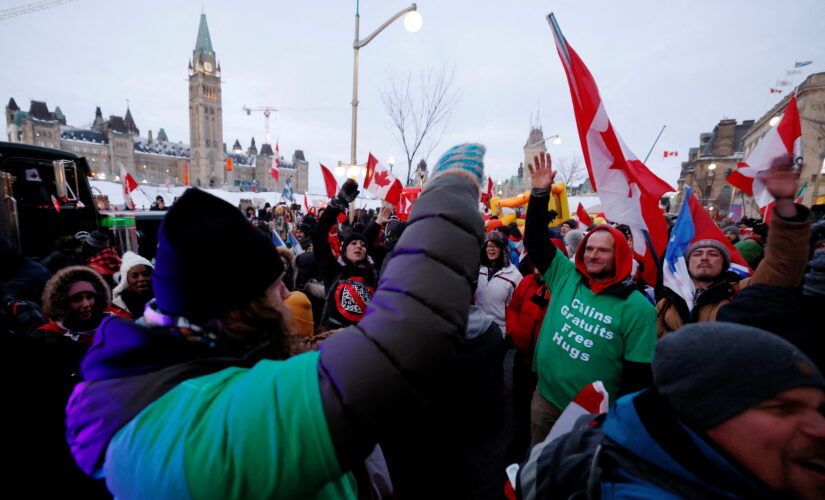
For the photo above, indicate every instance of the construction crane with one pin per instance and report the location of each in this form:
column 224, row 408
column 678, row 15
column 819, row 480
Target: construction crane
column 268, row 110
column 29, row 8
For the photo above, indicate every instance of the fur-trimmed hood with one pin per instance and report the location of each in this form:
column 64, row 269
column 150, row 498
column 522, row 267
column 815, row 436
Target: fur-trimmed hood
column 55, row 301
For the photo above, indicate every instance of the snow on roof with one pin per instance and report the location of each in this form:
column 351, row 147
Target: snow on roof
column 165, row 148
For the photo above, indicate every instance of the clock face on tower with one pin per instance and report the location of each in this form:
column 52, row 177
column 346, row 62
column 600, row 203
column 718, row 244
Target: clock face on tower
column 207, row 66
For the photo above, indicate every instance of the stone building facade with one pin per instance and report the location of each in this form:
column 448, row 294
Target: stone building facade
column 709, row 164
column 114, row 144
column 534, row 146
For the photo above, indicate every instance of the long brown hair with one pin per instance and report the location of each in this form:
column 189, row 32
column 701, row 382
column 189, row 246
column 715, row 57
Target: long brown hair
column 258, row 322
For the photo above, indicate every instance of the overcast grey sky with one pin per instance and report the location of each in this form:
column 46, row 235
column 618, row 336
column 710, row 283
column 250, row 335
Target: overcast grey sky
column 684, row 64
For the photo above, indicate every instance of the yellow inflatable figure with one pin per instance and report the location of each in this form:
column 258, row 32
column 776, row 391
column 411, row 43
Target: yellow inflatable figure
column 558, row 202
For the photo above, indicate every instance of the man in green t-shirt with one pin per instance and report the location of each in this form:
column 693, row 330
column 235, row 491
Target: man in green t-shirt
column 598, row 327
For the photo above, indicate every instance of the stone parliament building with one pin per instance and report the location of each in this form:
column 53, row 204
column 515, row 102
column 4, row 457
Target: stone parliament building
column 115, row 144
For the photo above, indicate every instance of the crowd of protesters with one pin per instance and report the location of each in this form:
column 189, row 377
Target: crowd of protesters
column 274, row 353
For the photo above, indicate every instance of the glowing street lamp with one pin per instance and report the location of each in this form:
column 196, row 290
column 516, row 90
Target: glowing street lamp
column 556, row 140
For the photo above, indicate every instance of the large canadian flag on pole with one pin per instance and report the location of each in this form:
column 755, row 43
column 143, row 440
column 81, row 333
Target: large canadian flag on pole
column 129, row 185
column 379, row 181
column 784, row 138
column 629, row 192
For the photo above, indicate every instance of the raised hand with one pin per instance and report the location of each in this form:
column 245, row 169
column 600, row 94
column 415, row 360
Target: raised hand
column 782, row 179
column 782, row 182
column 541, row 171
column 349, row 191
column 384, row 215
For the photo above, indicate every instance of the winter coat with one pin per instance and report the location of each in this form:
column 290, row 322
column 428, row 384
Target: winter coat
column 640, row 450
column 71, row 342
column 786, row 257
column 495, row 289
column 349, row 287
column 471, row 410
column 154, row 404
column 525, row 314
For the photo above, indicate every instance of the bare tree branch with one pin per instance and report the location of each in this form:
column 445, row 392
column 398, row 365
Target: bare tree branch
column 419, row 111
column 703, row 184
column 571, row 171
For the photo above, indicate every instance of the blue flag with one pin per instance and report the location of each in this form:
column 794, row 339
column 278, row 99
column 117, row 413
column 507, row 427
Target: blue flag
column 288, row 193
column 802, row 64
column 675, row 273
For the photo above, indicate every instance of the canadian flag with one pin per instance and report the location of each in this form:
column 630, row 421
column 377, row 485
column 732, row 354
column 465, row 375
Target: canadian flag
column 329, row 181
column 629, row 192
column 785, row 138
column 276, row 163
column 33, row 175
column 776, row 91
column 671, row 153
column 584, row 218
column 379, row 181
column 306, row 202
column 592, row 400
column 129, row 185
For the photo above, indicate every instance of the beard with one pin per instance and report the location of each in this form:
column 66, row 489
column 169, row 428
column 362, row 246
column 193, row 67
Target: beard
column 705, row 274
column 603, row 273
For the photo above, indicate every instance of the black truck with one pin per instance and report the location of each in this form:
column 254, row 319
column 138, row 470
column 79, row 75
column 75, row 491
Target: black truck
column 45, row 194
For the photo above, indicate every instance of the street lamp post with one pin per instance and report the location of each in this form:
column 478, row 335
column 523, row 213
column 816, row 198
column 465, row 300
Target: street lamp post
column 556, row 140
column 412, row 22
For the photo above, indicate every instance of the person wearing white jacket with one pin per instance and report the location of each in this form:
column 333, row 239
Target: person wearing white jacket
column 497, row 278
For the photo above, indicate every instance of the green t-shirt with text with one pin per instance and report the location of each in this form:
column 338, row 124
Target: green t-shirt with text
column 585, row 336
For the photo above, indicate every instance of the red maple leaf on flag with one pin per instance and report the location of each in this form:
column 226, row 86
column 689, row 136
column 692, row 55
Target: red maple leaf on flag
column 381, row 178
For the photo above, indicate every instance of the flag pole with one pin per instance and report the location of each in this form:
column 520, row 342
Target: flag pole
column 654, row 143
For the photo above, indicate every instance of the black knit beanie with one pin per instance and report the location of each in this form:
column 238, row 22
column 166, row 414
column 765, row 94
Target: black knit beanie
column 352, row 237
column 210, row 259
column 710, row 372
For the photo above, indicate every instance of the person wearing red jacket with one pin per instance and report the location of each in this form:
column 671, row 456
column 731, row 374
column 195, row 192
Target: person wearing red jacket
column 524, row 316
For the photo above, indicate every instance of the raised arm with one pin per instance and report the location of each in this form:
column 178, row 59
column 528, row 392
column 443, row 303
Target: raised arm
column 320, row 236
column 389, row 364
column 536, row 240
column 786, row 254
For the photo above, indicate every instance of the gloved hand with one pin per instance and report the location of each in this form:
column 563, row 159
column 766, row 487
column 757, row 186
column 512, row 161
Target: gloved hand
column 347, row 193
